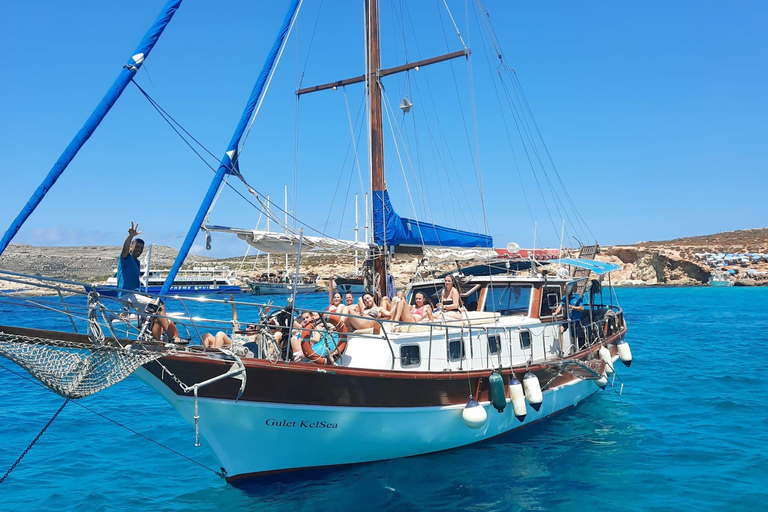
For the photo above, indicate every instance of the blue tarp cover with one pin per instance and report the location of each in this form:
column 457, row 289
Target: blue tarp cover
column 598, row 267
column 389, row 227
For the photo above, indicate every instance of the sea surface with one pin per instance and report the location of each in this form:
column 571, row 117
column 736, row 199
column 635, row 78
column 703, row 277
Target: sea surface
column 689, row 433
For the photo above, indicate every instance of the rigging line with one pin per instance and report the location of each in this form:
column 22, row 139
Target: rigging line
column 442, row 147
column 402, row 167
column 350, row 145
column 349, row 181
column 425, row 200
column 173, row 123
column 506, row 129
column 527, row 154
column 549, row 156
column 357, row 157
column 215, row 199
column 556, row 197
column 115, row 422
column 458, row 33
column 269, row 81
column 477, row 142
column 535, row 149
column 311, row 40
column 461, row 110
column 485, row 16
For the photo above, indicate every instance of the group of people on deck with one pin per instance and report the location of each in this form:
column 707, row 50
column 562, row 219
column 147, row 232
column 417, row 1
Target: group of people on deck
column 345, row 312
column 397, row 309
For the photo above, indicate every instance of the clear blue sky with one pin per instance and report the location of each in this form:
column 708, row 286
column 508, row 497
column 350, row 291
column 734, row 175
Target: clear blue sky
column 655, row 114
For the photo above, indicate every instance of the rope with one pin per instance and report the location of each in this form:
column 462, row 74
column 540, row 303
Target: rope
column 221, row 474
column 24, row 453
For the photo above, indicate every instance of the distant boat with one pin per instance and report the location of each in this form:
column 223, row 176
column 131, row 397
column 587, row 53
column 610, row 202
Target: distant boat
column 720, row 279
column 350, row 284
column 283, row 285
column 197, row 281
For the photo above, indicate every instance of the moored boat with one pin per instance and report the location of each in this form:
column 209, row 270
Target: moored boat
column 516, row 344
column 194, row 281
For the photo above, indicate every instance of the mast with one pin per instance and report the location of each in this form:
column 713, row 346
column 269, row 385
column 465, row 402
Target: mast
column 268, row 261
column 229, row 162
column 375, row 132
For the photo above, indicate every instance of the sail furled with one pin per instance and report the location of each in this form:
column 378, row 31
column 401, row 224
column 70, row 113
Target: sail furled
column 124, row 78
column 390, row 229
column 288, row 243
column 229, row 162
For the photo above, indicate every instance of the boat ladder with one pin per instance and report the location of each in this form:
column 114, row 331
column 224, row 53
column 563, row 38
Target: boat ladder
column 588, row 370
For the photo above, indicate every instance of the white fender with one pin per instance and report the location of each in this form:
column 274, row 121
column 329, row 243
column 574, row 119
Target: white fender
column 532, row 390
column 605, row 355
column 602, row 381
column 518, row 399
column 625, row 354
column 474, row 414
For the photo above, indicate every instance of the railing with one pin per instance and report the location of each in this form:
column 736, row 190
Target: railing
column 115, row 315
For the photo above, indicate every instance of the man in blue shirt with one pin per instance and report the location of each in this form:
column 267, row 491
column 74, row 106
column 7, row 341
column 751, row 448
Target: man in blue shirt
column 574, row 316
column 128, row 278
column 128, row 266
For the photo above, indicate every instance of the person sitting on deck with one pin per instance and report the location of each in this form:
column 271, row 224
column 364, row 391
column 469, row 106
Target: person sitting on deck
column 349, row 301
column 128, row 279
column 240, row 338
column 450, row 299
column 368, row 307
column 334, row 298
column 419, row 312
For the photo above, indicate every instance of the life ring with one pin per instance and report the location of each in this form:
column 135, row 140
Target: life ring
column 336, row 341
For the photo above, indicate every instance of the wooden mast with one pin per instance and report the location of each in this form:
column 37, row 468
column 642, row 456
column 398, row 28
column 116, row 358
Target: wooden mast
column 373, row 73
column 375, row 134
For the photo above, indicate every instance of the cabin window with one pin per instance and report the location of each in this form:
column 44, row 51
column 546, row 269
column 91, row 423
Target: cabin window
column 525, row 339
column 494, row 343
column 550, row 299
column 410, row 355
column 470, row 300
column 455, row 350
column 513, row 299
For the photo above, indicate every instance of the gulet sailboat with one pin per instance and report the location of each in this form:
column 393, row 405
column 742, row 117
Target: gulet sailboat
column 525, row 339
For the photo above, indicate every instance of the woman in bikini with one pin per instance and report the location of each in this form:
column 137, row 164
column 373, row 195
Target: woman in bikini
column 450, row 298
column 419, row 312
column 349, row 301
column 369, row 308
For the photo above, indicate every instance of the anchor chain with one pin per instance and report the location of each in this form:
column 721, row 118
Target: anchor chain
column 34, row 441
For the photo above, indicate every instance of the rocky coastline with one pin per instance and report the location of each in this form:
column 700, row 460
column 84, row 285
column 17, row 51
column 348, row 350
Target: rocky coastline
column 665, row 263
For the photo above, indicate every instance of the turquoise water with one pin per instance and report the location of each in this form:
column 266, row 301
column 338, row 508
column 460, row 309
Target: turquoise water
column 690, row 433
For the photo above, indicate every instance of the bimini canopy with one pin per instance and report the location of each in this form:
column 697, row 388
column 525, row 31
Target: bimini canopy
column 598, row 267
column 288, row 243
column 390, row 229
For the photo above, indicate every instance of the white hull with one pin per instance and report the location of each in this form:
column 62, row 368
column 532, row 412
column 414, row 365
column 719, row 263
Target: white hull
column 251, row 438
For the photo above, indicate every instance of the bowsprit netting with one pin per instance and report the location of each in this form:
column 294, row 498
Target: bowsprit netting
column 74, row 370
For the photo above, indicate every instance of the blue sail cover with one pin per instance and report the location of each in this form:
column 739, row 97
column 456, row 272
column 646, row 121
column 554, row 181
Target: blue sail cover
column 229, row 162
column 114, row 92
column 389, row 227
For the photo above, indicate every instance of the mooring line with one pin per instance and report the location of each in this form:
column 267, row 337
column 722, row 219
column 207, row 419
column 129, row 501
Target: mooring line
column 219, row 473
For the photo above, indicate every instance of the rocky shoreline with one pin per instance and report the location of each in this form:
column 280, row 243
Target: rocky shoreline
column 666, row 263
